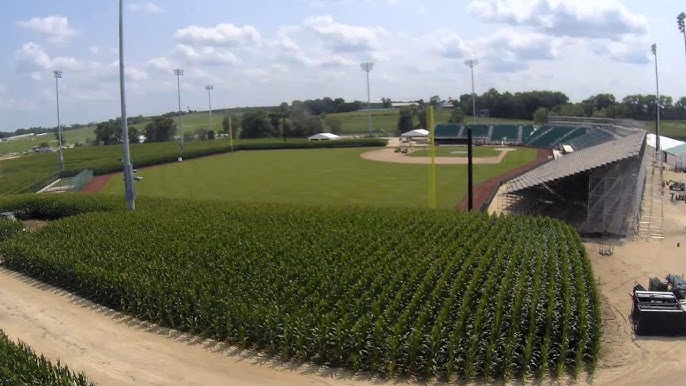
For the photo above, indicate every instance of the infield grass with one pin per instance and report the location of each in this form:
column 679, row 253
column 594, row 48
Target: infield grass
column 318, row 176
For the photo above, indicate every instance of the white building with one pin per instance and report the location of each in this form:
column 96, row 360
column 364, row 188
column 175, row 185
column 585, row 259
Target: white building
column 676, row 157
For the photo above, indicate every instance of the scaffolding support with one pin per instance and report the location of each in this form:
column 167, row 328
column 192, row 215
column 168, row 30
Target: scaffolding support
column 651, row 217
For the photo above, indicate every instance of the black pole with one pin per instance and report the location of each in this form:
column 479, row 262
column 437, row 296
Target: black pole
column 470, row 196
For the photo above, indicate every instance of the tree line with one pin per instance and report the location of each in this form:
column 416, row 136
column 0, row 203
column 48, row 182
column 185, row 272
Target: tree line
column 523, row 105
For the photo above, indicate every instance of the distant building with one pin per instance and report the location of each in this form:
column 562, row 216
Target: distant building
column 403, row 104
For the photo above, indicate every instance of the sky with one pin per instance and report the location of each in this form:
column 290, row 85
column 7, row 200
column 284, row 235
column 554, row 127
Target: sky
column 267, row 51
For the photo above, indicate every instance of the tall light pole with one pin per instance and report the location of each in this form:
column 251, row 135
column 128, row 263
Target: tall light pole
column 367, row 67
column 657, row 101
column 209, row 89
column 179, row 73
column 129, row 191
column 58, row 75
column 471, row 63
column 682, row 26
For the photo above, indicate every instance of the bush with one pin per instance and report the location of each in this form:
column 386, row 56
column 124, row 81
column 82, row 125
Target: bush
column 19, row 365
column 9, row 229
column 52, row 207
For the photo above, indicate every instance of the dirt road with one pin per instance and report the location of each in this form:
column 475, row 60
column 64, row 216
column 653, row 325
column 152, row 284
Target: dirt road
column 389, row 155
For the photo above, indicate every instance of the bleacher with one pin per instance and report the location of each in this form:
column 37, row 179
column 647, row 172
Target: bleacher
column 550, row 136
column 509, row 132
column 528, row 132
column 592, row 138
column 478, row 131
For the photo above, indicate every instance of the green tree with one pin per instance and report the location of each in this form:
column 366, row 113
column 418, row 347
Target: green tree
column 235, row 123
column 64, row 137
column 405, row 119
column 133, row 135
column 161, row 129
column 108, row 132
column 255, row 124
column 569, row 110
column 333, row 124
column 421, row 117
column 457, row 115
column 201, row 133
column 386, row 103
column 210, row 135
column 435, row 101
column 540, row 116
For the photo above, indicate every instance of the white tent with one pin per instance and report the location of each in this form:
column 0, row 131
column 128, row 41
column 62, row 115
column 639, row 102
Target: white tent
column 323, row 137
column 665, row 142
column 417, row 133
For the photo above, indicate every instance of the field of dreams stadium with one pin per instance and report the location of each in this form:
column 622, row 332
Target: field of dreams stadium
column 322, row 260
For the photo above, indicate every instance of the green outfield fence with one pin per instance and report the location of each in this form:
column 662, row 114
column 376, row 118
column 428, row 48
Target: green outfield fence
column 80, row 180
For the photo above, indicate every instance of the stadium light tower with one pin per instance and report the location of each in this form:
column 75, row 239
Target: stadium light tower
column 129, row 191
column 471, row 63
column 653, row 48
column 179, row 73
column 680, row 20
column 58, row 75
column 367, row 67
column 209, row 89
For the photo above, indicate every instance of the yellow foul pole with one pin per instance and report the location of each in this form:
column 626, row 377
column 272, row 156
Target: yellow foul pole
column 432, row 151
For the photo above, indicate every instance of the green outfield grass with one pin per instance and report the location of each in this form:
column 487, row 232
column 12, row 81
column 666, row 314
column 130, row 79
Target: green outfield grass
column 321, row 176
column 457, row 151
column 672, row 129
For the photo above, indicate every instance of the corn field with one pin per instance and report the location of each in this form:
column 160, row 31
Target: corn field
column 391, row 292
column 19, row 365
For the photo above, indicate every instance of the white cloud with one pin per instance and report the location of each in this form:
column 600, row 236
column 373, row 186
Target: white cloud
column 221, row 34
column 580, row 18
column 205, row 55
column 3, row 89
column 632, row 50
column 54, row 28
column 452, row 46
column 343, row 37
column 94, row 50
column 13, row 104
column 36, row 76
column 148, row 7
column 160, row 64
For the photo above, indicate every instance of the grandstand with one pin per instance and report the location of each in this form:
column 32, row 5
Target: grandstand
column 598, row 188
column 579, row 135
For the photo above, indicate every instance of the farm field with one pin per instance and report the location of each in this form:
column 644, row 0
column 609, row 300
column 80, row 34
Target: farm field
column 672, row 129
column 22, row 366
column 321, row 176
column 457, row 151
column 428, row 293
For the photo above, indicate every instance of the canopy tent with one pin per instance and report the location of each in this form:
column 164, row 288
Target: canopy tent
column 323, row 137
column 416, row 133
column 665, row 142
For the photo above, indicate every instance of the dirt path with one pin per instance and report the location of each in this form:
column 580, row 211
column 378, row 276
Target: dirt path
column 96, row 184
column 484, row 190
column 389, row 155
